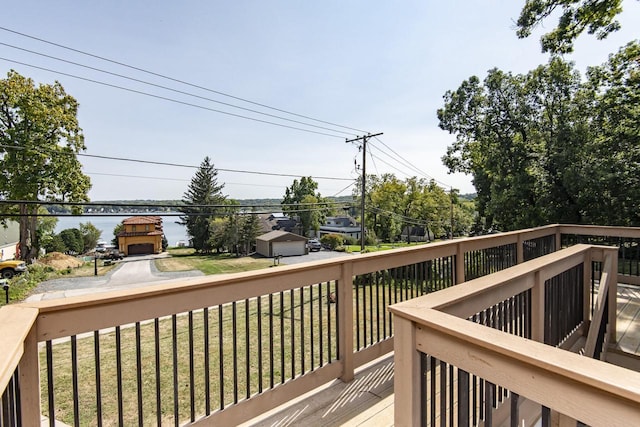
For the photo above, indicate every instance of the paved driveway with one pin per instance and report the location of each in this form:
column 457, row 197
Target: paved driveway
column 136, row 271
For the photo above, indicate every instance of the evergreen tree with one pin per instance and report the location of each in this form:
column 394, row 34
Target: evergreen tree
column 203, row 192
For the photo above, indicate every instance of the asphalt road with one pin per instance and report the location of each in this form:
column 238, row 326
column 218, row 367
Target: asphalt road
column 137, row 271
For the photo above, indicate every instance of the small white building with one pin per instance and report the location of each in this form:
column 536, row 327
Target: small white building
column 9, row 237
column 281, row 243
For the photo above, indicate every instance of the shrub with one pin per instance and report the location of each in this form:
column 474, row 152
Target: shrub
column 332, row 240
column 350, row 240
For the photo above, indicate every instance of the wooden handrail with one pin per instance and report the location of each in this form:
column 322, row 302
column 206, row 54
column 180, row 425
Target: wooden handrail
column 577, row 386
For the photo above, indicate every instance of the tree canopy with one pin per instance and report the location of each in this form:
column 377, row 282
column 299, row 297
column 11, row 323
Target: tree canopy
column 302, row 200
column 39, row 141
column 547, row 147
column 576, row 16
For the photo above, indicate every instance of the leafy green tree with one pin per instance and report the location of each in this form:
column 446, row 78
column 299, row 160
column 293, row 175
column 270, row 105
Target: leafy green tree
column 45, row 231
column 55, row 244
column 39, row 142
column 117, row 230
column 72, row 239
column 202, row 200
column 576, row 16
column 301, row 200
column 547, row 147
column 90, row 236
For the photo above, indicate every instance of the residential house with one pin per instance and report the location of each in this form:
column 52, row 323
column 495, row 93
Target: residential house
column 141, row 235
column 278, row 221
column 345, row 225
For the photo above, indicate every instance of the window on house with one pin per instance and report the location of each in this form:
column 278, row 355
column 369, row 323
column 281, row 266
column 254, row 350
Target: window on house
column 146, row 227
column 133, row 228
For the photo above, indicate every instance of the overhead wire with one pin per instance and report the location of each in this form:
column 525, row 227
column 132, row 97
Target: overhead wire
column 174, row 79
column 412, row 165
column 165, row 98
column 173, row 90
column 153, row 162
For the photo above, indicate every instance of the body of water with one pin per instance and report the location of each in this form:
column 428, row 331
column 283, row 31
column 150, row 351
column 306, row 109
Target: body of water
column 173, row 232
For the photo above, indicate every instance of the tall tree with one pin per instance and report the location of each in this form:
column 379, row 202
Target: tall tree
column 547, row 147
column 595, row 16
column 202, row 200
column 90, row 235
column 303, row 201
column 39, row 142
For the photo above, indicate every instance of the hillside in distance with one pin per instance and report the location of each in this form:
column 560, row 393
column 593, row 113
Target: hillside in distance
column 160, row 206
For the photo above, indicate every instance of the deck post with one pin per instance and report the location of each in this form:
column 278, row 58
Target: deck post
column 537, row 309
column 406, row 374
column 345, row 319
column 29, row 369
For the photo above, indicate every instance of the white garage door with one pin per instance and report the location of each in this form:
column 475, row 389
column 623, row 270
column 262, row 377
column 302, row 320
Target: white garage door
column 288, row 248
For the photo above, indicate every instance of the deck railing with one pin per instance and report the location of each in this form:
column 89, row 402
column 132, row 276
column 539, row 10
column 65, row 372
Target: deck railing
column 227, row 348
column 472, row 355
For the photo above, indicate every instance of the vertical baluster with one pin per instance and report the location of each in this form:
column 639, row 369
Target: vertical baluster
column 247, row 353
column 271, row 353
column 357, row 286
column 282, row 374
column 259, row 319
column 119, row 375
column 302, row 334
column 192, row 380
column 234, row 346
column 293, row 333
column 515, row 412
column 207, row 362
column 463, row 398
column 52, row 409
column 221, row 356
column 312, row 327
column 74, row 381
column 320, row 323
column 139, row 374
column 96, row 352
column 156, row 335
column 176, row 398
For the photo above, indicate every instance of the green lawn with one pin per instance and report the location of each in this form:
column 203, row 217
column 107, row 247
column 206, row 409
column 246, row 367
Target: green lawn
column 183, row 259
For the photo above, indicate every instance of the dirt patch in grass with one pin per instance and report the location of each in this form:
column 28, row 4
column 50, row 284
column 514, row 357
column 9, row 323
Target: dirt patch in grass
column 60, row 261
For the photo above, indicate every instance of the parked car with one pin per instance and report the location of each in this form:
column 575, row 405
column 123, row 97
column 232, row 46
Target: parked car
column 314, row 245
column 10, row 268
column 113, row 254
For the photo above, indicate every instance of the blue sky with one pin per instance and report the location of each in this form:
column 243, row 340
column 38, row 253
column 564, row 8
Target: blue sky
column 370, row 65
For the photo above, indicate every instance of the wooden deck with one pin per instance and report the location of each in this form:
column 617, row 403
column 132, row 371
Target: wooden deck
column 368, row 399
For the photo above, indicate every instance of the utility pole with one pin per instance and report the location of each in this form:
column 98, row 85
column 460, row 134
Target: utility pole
column 364, row 139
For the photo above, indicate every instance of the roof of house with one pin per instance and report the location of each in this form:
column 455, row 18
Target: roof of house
column 139, row 233
column 136, row 220
column 281, row 236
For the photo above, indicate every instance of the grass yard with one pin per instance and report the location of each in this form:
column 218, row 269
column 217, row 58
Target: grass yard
column 183, row 259
column 252, row 345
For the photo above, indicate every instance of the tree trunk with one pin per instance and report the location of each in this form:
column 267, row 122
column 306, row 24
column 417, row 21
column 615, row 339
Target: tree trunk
column 28, row 225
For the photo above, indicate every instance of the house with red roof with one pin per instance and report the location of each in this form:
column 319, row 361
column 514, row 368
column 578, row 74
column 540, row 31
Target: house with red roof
column 141, row 235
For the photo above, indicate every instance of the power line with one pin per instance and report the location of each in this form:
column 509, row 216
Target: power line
column 176, row 101
column 160, row 205
column 412, row 165
column 174, row 79
column 152, row 162
column 173, row 90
